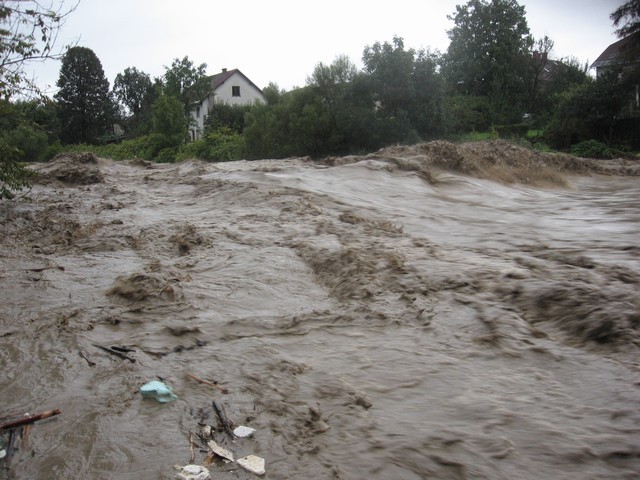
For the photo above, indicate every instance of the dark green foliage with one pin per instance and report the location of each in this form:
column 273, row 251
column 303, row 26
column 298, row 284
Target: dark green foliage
column 13, row 176
column 467, row 113
column 406, row 90
column 85, row 108
column 587, row 112
column 627, row 19
column 223, row 115
column 136, row 92
column 220, row 145
column 187, row 82
column 169, row 128
column 31, row 141
column 272, row 93
column 594, row 149
column 28, row 31
column 488, row 54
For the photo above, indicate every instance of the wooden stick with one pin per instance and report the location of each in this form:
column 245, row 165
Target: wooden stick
column 206, row 382
column 29, row 419
column 115, row 352
column 193, row 451
column 224, row 421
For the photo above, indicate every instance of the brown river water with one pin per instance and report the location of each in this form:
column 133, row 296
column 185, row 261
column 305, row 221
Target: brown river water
column 427, row 312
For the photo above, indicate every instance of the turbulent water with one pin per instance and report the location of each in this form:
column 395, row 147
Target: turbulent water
column 439, row 311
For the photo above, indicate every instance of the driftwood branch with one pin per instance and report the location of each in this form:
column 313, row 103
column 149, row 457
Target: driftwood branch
column 206, row 382
column 116, row 351
column 226, row 425
column 192, row 446
column 29, row 419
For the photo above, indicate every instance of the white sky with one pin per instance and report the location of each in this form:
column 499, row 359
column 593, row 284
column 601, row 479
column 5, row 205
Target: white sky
column 281, row 41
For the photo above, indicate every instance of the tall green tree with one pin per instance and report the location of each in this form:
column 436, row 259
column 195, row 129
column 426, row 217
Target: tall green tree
column 169, row 128
column 132, row 88
column 28, row 32
column 84, row 102
column 135, row 91
column 187, row 82
column 406, row 88
column 490, row 43
column 333, row 84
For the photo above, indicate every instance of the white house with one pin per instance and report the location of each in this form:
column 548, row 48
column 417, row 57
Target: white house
column 231, row 87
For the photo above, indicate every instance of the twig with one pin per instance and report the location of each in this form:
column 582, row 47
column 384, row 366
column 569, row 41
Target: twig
column 115, row 352
column 192, row 446
column 226, row 424
column 42, row 269
column 206, row 382
column 89, row 361
column 29, row 419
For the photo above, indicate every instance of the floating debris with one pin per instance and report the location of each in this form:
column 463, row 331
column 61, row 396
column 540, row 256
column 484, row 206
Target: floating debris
column 253, row 464
column 243, row 432
column 118, row 351
column 220, row 451
column 157, row 391
column 193, row 472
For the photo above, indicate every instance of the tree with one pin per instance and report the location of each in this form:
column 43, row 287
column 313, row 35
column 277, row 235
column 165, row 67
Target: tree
column 85, row 106
column 136, row 92
column 627, row 19
column 187, row 82
column 587, row 112
column 132, row 88
column 406, row 88
column 333, row 85
column 28, row 32
column 489, row 42
column 169, row 128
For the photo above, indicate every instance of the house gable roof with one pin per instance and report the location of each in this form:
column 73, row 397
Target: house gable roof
column 219, row 79
column 617, row 52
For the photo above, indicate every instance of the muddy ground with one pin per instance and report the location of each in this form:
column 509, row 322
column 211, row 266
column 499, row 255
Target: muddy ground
column 437, row 311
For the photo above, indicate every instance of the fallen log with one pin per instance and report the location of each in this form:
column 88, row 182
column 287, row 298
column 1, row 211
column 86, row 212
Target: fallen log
column 29, row 419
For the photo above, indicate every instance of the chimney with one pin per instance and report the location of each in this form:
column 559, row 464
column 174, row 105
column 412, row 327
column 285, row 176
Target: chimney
column 224, row 70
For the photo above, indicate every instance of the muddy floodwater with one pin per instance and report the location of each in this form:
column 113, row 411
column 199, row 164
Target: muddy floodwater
column 428, row 312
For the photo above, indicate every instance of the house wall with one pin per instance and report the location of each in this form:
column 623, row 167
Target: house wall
column 249, row 94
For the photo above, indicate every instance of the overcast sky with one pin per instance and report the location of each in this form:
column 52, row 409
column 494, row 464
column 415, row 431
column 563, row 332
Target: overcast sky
column 281, row 41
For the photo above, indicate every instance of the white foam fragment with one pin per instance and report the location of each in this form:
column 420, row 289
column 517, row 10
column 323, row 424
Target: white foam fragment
column 243, row 431
column 220, row 451
column 253, row 464
column 193, row 472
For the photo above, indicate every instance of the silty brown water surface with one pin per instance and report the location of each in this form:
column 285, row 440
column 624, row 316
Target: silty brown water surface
column 439, row 311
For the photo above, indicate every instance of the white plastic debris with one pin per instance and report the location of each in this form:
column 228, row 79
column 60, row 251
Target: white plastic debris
column 243, row 431
column 253, row 464
column 193, row 472
column 158, row 391
column 220, row 451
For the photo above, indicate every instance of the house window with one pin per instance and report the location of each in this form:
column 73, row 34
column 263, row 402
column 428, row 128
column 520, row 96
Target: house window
column 235, row 91
column 198, row 112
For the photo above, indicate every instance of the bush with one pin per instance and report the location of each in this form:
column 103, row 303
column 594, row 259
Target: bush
column 221, row 145
column 128, row 149
column 467, row 113
column 32, row 142
column 13, row 175
column 594, row 149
